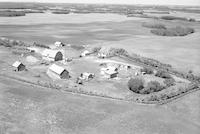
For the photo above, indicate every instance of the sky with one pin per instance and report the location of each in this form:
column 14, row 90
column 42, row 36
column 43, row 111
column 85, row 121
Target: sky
column 151, row 2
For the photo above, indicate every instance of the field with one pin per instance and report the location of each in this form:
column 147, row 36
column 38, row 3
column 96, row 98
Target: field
column 30, row 109
column 32, row 101
column 107, row 29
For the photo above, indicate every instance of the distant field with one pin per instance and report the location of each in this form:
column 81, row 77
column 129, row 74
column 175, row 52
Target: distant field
column 110, row 29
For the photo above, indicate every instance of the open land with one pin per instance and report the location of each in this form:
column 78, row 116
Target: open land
column 32, row 101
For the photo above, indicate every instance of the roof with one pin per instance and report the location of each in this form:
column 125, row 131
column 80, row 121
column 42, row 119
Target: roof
column 110, row 72
column 87, row 74
column 50, row 53
column 16, row 64
column 58, row 43
column 84, row 53
column 112, row 68
column 57, row 69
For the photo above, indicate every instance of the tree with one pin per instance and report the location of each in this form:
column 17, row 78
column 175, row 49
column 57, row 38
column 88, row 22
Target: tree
column 152, row 86
column 169, row 82
column 135, row 84
column 147, row 70
column 163, row 74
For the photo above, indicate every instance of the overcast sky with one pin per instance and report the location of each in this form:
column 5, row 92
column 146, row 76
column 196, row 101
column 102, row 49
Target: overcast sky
column 153, row 2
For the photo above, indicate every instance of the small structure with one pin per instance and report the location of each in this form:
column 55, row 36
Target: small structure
column 32, row 49
column 59, row 44
column 18, row 66
column 52, row 55
column 109, row 72
column 102, row 55
column 86, row 76
column 58, row 72
column 85, row 53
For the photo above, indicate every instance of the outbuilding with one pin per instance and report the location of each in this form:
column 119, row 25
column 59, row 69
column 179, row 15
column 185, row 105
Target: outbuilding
column 110, row 74
column 57, row 72
column 52, row 55
column 59, row 44
column 85, row 53
column 18, row 66
column 86, row 76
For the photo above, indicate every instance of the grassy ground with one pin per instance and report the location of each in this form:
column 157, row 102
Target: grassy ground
column 29, row 109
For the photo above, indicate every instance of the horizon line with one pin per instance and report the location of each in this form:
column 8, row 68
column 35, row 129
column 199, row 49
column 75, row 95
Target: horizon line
column 99, row 3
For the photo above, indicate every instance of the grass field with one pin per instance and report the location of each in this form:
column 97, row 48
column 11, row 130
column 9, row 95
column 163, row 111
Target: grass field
column 29, row 109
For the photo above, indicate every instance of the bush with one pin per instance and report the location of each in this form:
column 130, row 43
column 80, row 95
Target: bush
column 61, row 12
column 11, row 43
column 147, row 70
column 40, row 45
column 169, row 82
column 156, row 26
column 176, row 31
column 135, row 84
column 152, row 86
column 163, row 74
column 173, row 18
column 95, row 49
column 11, row 13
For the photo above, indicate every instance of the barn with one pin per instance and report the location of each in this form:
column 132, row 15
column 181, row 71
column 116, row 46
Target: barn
column 18, row 66
column 57, row 72
column 52, row 55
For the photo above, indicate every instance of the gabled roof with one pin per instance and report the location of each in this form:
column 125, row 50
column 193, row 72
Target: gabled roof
column 57, row 69
column 50, row 53
column 16, row 64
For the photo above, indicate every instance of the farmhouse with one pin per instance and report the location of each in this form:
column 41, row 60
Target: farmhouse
column 52, row 55
column 57, row 72
column 86, row 76
column 59, row 44
column 18, row 66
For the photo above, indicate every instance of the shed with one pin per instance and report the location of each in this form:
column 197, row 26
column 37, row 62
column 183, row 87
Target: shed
column 52, row 55
column 86, row 76
column 85, row 53
column 58, row 72
column 18, row 66
column 59, row 44
column 110, row 74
